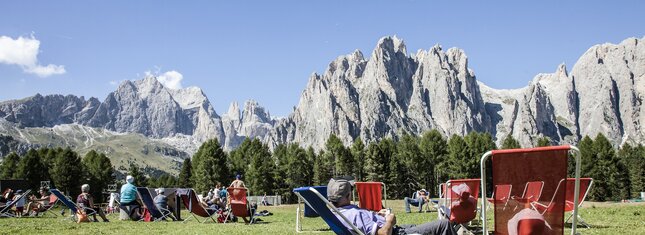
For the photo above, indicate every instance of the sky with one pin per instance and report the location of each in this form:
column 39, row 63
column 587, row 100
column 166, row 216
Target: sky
column 266, row 50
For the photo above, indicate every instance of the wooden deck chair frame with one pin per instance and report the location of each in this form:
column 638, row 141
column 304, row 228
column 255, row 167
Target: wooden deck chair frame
column 576, row 191
column 5, row 212
column 187, row 199
column 332, row 208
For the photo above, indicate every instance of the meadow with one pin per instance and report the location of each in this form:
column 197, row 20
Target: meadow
column 605, row 218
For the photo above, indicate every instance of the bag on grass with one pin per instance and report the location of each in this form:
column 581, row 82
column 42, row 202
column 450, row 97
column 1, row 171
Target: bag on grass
column 81, row 217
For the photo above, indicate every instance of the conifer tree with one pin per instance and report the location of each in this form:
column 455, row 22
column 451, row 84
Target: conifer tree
column 510, row 143
column 209, row 166
column 32, row 169
column 433, row 148
column 603, row 170
column 9, row 166
column 457, row 164
column 341, row 156
column 67, row 172
column 140, row 180
column 238, row 158
column 409, row 165
column 298, row 170
column 261, row 169
column 185, row 174
column 99, row 172
column 323, row 168
column 634, row 159
column 543, row 141
column 358, row 153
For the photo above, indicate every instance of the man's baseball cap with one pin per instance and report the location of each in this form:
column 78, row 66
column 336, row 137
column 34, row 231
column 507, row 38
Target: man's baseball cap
column 339, row 187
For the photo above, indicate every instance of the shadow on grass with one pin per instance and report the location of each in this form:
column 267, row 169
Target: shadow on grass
column 591, row 226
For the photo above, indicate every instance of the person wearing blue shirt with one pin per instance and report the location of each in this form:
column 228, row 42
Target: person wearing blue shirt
column 128, row 197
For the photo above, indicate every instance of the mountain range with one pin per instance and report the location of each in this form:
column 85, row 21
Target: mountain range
column 381, row 96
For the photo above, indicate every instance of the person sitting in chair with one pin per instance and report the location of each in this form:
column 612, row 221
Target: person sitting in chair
column 420, row 200
column 39, row 204
column 129, row 200
column 86, row 201
column 339, row 191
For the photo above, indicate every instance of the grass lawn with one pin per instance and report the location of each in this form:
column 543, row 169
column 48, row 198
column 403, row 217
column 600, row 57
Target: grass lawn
column 606, row 218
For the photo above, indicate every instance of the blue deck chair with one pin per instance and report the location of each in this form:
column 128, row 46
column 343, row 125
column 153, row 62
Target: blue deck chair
column 326, row 210
column 307, row 211
column 70, row 204
column 4, row 212
column 156, row 212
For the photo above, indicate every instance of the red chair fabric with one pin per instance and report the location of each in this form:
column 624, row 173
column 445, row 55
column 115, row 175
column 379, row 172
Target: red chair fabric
column 370, row 195
column 501, row 193
column 239, row 204
column 463, row 195
column 585, row 185
column 519, row 166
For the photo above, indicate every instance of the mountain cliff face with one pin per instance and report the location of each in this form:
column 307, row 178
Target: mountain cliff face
column 386, row 95
column 184, row 116
column 382, row 96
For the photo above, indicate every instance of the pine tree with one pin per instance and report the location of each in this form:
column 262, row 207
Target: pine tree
column 358, row 153
column 311, row 158
column 457, row 164
column 323, row 168
column 377, row 160
column 543, row 141
column 341, row 156
column 587, row 158
column 603, row 169
column 185, row 174
column 32, row 169
column 510, row 143
column 261, row 169
column 9, row 166
column 280, row 174
column 238, row 158
column 298, row 170
column 433, row 151
column 634, row 159
column 140, row 180
column 408, row 168
column 209, row 166
column 99, row 171
column 67, row 172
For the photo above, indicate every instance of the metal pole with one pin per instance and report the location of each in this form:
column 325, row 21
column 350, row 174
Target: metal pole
column 576, row 192
column 483, row 189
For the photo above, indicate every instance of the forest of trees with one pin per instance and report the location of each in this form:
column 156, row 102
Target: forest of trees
column 404, row 165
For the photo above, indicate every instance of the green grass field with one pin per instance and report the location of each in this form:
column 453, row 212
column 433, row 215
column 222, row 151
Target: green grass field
column 606, row 218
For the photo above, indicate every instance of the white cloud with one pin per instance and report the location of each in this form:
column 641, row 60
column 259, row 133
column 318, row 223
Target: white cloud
column 23, row 52
column 171, row 79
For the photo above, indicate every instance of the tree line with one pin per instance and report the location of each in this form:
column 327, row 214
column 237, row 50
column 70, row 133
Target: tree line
column 404, row 165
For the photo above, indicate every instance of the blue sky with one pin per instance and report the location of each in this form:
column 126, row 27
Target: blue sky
column 266, row 50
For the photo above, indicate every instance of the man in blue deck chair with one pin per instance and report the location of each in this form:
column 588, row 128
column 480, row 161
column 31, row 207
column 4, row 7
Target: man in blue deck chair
column 339, row 191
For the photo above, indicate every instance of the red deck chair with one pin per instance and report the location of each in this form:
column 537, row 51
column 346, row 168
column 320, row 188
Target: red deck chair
column 191, row 202
column 532, row 192
column 501, row 194
column 239, row 204
column 370, row 195
column 450, row 207
column 517, row 167
column 585, row 185
column 53, row 200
